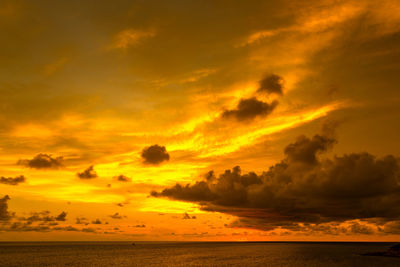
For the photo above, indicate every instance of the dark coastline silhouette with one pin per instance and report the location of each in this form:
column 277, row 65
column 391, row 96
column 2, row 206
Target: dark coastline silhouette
column 393, row 251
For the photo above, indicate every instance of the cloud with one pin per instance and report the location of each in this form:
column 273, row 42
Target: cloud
column 41, row 221
column 271, row 84
column 24, row 227
column 81, row 220
column 89, row 173
column 43, row 216
column 358, row 228
column 5, row 215
column 186, row 216
column 66, row 228
column 62, row 216
column 198, row 192
column 117, row 216
column 42, row 161
column 249, row 109
column 391, row 228
column 123, row 178
column 12, row 181
column 89, row 230
column 55, row 66
column 305, row 150
column 97, row 221
column 130, row 37
column 355, row 227
column 155, row 154
column 303, row 189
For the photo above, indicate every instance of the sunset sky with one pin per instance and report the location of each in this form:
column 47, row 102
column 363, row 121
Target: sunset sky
column 200, row 120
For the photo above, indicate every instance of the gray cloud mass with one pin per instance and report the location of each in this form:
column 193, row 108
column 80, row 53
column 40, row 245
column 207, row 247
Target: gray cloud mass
column 155, row 154
column 303, row 189
column 271, row 84
column 249, row 109
column 42, row 161
column 89, row 173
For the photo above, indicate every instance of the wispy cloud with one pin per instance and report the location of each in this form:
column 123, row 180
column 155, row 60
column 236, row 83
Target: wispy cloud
column 130, row 37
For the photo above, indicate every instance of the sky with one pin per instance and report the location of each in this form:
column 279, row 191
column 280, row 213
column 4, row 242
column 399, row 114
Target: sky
column 199, row 120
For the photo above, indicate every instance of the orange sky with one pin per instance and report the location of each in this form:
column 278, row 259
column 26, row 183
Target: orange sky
column 155, row 93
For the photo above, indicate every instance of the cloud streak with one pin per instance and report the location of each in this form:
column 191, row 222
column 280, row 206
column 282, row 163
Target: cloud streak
column 130, row 37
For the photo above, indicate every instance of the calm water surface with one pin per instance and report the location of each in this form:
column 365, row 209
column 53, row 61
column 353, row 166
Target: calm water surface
column 192, row 254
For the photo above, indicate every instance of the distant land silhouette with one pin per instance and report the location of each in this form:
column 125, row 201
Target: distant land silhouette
column 393, row 251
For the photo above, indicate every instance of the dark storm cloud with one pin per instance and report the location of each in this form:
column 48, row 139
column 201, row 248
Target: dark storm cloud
column 250, row 108
column 271, row 84
column 155, row 154
column 42, row 161
column 4, row 213
column 12, row 180
column 89, row 173
column 305, row 150
column 123, row 178
column 303, row 188
column 200, row 191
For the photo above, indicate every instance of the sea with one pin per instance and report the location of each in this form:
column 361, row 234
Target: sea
column 193, row 254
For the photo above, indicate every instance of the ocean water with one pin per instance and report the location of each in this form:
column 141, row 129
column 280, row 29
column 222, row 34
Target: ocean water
column 192, row 254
